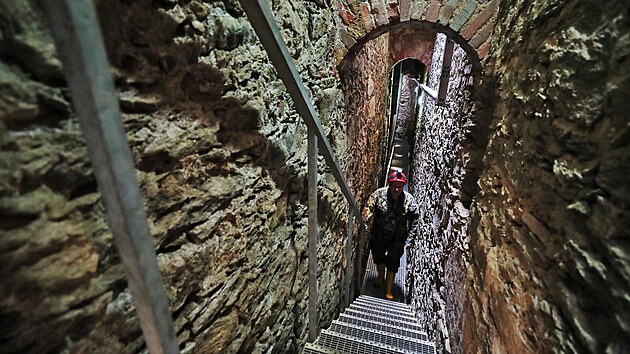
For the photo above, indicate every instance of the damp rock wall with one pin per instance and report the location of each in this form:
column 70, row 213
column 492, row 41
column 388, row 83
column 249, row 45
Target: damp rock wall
column 438, row 166
column 221, row 162
column 550, row 267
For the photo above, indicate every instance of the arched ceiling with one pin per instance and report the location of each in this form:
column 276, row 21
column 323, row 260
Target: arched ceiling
column 469, row 23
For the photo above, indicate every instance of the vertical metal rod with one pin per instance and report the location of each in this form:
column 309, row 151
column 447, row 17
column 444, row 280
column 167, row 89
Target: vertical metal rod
column 446, row 72
column 349, row 255
column 80, row 45
column 313, row 231
column 359, row 260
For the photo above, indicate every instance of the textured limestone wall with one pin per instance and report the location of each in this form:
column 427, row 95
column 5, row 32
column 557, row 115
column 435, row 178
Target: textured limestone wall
column 437, row 263
column 406, row 117
column 220, row 155
column 551, row 266
column 366, row 88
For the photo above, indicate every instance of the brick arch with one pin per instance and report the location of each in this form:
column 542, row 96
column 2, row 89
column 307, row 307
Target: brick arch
column 468, row 23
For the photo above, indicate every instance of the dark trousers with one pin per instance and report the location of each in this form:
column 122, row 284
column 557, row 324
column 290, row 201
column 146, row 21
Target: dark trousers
column 388, row 251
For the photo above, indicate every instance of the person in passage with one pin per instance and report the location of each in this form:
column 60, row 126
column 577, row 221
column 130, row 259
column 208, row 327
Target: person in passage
column 394, row 225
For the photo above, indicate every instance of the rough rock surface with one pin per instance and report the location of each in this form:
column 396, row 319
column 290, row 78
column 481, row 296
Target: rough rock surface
column 406, row 116
column 550, row 265
column 365, row 90
column 438, row 165
column 220, row 154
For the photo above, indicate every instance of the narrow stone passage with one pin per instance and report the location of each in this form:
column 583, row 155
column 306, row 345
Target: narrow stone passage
column 519, row 164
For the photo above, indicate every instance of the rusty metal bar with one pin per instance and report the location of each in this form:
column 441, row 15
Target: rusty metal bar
column 79, row 42
column 313, row 235
column 262, row 20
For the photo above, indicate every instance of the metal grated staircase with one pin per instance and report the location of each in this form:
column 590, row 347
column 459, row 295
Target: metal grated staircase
column 373, row 326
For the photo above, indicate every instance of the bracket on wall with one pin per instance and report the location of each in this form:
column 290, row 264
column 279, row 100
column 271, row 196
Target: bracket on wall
column 431, row 92
column 446, row 72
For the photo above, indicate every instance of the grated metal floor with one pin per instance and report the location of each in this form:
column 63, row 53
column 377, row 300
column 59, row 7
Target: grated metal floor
column 399, row 282
column 373, row 325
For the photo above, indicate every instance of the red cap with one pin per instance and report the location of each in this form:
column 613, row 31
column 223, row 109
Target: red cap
column 397, row 176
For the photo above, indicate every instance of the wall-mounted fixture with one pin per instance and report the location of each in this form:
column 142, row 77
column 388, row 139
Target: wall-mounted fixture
column 431, row 92
column 446, row 72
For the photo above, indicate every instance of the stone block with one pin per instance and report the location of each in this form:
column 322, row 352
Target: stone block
column 405, row 10
column 418, row 10
column 479, row 20
column 346, row 15
column 483, row 34
column 393, row 11
column 447, row 11
column 380, row 13
column 433, row 10
column 346, row 37
column 366, row 15
column 482, row 51
column 466, row 11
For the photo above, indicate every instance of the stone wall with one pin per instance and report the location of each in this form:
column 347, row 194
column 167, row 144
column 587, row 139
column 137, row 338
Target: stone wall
column 406, row 116
column 366, row 89
column 221, row 164
column 437, row 262
column 550, row 265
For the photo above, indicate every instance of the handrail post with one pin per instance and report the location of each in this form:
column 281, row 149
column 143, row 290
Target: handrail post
column 349, row 255
column 313, row 230
column 79, row 42
column 359, row 274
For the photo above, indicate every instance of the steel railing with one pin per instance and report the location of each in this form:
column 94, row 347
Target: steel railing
column 80, row 45
column 261, row 18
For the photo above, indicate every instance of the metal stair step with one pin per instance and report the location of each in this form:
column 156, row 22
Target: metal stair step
column 362, row 302
column 348, row 344
column 350, row 310
column 393, row 329
column 312, row 348
column 384, row 302
column 385, row 320
column 381, row 311
column 376, row 336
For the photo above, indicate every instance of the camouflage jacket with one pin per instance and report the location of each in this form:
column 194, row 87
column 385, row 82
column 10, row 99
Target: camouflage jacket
column 399, row 224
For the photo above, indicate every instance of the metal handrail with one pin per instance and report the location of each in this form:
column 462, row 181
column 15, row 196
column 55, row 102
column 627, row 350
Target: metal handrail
column 80, row 45
column 264, row 24
column 79, row 40
column 262, row 20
